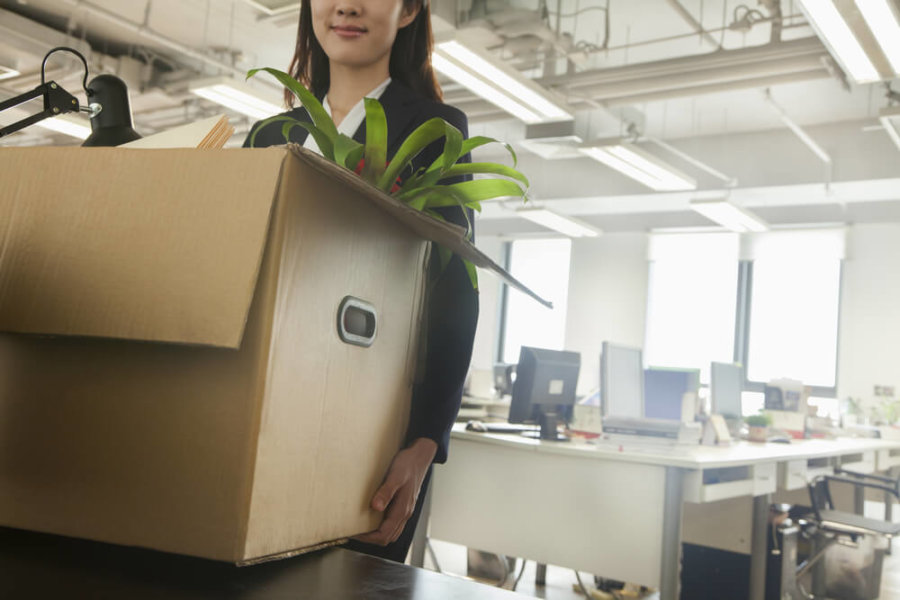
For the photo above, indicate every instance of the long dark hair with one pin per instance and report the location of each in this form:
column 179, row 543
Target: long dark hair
column 410, row 56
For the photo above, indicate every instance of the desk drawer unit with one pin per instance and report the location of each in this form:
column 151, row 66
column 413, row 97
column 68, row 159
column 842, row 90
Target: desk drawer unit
column 861, row 462
column 600, row 516
column 887, row 458
column 795, row 474
column 710, row 485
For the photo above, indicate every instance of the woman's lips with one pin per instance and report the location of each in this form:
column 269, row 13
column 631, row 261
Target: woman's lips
column 346, row 31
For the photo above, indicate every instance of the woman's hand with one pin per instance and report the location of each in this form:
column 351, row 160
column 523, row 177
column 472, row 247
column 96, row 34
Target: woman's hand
column 397, row 496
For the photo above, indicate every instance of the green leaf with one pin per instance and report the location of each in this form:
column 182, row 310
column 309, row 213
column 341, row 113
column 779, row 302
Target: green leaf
column 264, row 123
column 322, row 140
column 427, row 132
column 473, row 274
column 480, row 140
column 345, row 147
column 442, row 196
column 444, row 254
column 435, row 171
column 289, row 123
column 376, row 145
column 466, row 192
column 353, row 157
column 312, row 105
column 484, row 168
column 419, row 202
column 452, row 146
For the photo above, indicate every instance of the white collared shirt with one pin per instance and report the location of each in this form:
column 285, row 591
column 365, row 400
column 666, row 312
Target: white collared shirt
column 353, row 119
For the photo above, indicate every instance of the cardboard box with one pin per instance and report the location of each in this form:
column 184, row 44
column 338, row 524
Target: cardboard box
column 172, row 374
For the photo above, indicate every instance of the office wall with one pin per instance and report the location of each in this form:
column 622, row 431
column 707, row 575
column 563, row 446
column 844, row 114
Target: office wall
column 607, row 298
column 869, row 344
column 485, row 350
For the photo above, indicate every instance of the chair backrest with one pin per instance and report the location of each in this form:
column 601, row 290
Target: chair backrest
column 820, row 495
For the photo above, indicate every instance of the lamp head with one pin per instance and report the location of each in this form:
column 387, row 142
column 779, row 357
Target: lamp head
column 111, row 126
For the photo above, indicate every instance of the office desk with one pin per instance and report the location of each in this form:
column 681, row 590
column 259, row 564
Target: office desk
column 35, row 565
column 612, row 509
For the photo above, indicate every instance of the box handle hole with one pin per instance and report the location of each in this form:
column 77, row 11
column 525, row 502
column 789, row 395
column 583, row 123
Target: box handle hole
column 357, row 322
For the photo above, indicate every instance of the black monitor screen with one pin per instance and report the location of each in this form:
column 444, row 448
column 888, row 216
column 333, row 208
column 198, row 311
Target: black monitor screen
column 545, row 383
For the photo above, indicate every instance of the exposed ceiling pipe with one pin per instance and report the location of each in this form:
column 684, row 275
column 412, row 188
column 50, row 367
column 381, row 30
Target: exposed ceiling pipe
column 803, row 136
column 142, row 30
column 771, row 58
column 688, row 18
column 728, row 180
column 714, row 88
column 714, row 72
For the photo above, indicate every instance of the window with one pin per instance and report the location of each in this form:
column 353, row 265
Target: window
column 543, row 266
column 691, row 304
column 794, row 308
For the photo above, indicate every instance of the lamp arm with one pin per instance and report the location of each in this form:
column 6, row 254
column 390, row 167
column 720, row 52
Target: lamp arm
column 57, row 101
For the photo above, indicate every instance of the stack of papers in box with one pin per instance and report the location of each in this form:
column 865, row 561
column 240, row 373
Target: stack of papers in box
column 211, row 133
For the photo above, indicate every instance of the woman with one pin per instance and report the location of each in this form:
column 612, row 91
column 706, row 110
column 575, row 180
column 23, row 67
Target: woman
column 347, row 50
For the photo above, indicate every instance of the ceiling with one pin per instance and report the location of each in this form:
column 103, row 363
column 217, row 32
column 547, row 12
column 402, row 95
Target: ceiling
column 714, row 98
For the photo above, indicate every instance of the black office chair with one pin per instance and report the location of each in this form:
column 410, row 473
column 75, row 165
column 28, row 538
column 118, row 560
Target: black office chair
column 825, row 526
column 838, row 522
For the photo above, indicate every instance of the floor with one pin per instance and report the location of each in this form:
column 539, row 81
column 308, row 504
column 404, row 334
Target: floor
column 561, row 583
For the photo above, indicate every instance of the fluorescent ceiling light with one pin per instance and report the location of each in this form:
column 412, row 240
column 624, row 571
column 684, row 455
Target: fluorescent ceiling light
column 554, row 148
column 501, row 86
column 641, row 166
column 835, row 32
column 557, row 222
column 729, row 216
column 274, row 7
column 237, row 96
column 890, row 119
column 882, row 19
column 68, row 125
column 7, row 72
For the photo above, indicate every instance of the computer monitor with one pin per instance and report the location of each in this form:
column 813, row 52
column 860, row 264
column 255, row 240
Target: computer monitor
column 786, row 395
column 664, row 391
column 621, row 381
column 504, row 375
column 544, row 389
column 725, row 388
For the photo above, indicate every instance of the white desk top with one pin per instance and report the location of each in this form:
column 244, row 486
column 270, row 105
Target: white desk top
column 684, row 456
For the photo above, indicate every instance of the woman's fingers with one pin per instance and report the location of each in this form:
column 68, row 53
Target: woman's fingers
column 385, row 494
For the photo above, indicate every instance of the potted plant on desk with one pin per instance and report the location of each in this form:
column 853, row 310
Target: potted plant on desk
column 759, row 426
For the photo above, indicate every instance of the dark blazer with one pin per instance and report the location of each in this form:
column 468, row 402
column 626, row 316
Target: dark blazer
column 452, row 306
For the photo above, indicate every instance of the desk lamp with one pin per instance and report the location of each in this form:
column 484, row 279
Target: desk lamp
column 109, row 109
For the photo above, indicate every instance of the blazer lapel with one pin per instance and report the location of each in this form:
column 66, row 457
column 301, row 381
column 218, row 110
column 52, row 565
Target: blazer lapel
column 395, row 100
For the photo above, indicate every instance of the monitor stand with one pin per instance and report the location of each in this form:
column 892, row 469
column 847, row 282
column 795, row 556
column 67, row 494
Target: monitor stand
column 548, row 431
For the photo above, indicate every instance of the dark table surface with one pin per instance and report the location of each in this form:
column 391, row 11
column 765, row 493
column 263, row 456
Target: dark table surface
column 35, row 565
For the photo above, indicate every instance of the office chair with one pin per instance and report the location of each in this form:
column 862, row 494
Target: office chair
column 850, row 524
column 826, row 526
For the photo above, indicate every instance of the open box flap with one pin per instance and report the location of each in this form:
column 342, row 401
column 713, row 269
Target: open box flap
column 446, row 234
column 155, row 245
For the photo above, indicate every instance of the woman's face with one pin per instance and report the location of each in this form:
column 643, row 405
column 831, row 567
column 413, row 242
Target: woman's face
column 358, row 33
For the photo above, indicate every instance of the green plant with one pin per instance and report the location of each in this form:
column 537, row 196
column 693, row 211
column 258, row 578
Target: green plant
column 890, row 410
column 423, row 189
column 760, row 420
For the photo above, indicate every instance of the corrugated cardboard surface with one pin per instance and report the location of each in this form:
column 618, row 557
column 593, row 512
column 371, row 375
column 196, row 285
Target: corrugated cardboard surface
column 446, row 234
column 214, row 452
column 133, row 443
column 159, row 245
column 334, row 414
